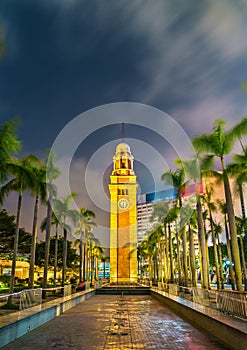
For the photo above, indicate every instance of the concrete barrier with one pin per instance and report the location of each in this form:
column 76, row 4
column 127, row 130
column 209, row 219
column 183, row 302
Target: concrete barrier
column 20, row 323
column 173, row 288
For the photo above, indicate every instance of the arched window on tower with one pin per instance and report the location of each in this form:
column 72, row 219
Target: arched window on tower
column 123, row 164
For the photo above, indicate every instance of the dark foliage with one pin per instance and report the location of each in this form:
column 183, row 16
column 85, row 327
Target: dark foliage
column 72, row 257
column 7, row 233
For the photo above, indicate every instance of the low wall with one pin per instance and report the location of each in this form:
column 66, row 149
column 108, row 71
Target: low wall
column 20, row 323
column 226, row 329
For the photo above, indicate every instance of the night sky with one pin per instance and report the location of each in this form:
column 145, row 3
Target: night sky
column 66, row 57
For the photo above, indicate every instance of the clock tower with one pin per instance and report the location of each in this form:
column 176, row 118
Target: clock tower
column 123, row 227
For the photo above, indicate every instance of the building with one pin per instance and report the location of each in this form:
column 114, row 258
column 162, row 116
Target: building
column 21, row 270
column 145, row 208
column 146, row 202
column 123, row 223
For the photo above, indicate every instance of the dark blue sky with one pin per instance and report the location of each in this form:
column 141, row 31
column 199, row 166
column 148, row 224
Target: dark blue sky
column 64, row 57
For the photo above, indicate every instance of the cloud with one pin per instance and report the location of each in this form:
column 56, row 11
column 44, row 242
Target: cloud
column 186, row 48
column 224, row 24
column 203, row 112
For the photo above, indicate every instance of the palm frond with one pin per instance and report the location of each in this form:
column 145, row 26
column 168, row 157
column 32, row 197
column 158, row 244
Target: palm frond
column 7, row 188
column 240, row 129
column 52, row 171
column 207, row 162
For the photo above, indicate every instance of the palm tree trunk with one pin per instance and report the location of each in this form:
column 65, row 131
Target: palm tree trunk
column 215, row 251
column 96, row 268
column 233, row 231
column 150, row 268
column 243, row 262
column 207, row 252
column 91, row 265
column 242, row 202
column 164, row 262
column 241, row 196
column 33, row 244
column 55, row 258
column 161, row 259
column 201, row 234
column 171, row 254
column 88, row 263
column 65, row 233
column 185, row 263
column 166, row 257
column 178, row 258
column 192, row 257
column 156, row 266
column 229, row 253
column 16, row 241
column 81, row 260
column 47, row 246
column 84, row 261
column 220, row 264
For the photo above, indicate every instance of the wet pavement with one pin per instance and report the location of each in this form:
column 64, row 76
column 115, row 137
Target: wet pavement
column 106, row 322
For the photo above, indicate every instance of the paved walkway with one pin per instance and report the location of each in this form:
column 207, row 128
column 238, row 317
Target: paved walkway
column 106, row 322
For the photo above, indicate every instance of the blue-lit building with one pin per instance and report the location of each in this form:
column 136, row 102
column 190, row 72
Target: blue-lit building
column 145, row 205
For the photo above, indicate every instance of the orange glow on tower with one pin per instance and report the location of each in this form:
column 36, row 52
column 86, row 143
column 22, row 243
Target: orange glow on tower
column 123, row 223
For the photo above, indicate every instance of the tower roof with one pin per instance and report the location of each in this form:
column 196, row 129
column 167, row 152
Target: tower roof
column 123, row 148
column 123, row 160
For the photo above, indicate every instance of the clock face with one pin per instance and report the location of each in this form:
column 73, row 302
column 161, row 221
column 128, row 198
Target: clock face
column 123, row 203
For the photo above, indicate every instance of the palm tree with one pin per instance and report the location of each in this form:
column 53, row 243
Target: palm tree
column 160, row 211
column 141, row 257
column 178, row 255
column 171, row 218
column 240, row 164
column 219, row 144
column 188, row 218
column 177, row 180
column 63, row 212
column 54, row 221
column 193, row 170
column 39, row 192
column 192, row 222
column 96, row 251
column 218, row 231
column 22, row 179
column 207, row 197
column 52, row 172
column 241, row 229
column 88, row 255
column 84, row 225
column 238, row 169
column 222, row 208
column 104, row 259
column 9, row 146
column 150, row 244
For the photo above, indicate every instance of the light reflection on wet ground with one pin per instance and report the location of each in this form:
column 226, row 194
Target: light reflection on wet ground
column 106, row 322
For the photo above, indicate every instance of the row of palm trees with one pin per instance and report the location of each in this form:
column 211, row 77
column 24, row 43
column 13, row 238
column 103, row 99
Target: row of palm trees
column 30, row 174
column 169, row 247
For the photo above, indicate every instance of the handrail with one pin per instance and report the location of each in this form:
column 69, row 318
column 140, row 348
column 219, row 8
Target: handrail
column 227, row 301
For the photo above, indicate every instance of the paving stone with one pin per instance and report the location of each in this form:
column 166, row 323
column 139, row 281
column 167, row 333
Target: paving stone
column 106, row 322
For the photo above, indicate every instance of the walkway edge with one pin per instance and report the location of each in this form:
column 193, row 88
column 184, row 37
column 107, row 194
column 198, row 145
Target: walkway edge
column 228, row 330
column 16, row 325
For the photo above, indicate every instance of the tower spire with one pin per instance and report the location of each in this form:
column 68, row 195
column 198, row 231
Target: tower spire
column 122, row 131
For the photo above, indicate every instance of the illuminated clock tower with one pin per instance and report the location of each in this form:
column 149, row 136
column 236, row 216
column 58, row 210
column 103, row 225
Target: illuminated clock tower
column 123, row 227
